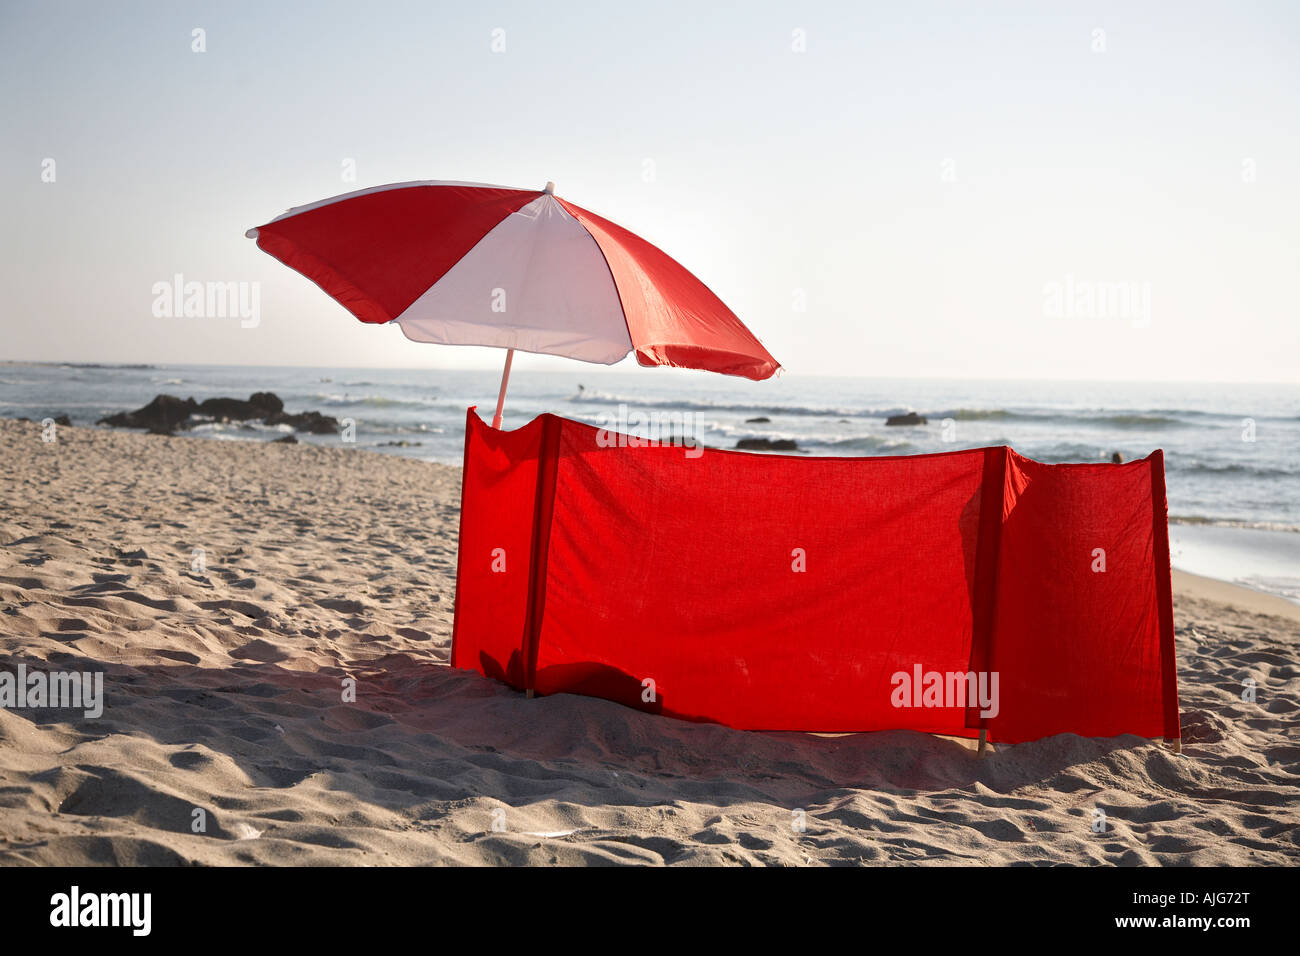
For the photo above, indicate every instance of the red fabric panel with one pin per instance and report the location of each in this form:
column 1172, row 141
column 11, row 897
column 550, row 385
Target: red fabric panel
column 644, row 563
column 672, row 317
column 984, row 594
column 543, row 521
column 378, row 252
column 498, row 512
column 1078, row 649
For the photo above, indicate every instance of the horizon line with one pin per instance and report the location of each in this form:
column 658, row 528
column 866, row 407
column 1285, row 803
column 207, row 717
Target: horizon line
column 607, row 369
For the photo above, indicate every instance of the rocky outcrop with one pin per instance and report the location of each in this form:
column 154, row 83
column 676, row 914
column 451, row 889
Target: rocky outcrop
column 162, row 416
column 259, row 405
column 167, row 413
column 760, row 420
column 312, row 422
column 911, row 418
column 767, row 444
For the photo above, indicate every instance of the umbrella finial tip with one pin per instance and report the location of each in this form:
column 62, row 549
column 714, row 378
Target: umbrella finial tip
column 550, row 188
column 252, row 233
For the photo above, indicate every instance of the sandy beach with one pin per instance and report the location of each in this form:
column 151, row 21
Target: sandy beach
column 225, row 674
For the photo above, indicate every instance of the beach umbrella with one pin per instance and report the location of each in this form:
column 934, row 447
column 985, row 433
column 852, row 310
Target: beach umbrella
column 468, row 264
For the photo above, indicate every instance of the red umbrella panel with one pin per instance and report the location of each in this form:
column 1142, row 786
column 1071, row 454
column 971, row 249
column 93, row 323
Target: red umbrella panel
column 468, row 264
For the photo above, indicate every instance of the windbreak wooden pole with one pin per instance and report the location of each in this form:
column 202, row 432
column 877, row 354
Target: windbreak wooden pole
column 501, row 396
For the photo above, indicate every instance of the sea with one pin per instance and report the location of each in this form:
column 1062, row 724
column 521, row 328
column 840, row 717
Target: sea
column 1232, row 451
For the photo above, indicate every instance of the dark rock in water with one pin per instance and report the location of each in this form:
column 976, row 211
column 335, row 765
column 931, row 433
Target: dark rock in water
column 767, row 444
column 166, row 413
column 162, row 416
column 259, row 405
column 63, row 420
column 911, row 418
column 313, row 422
column 760, row 420
column 268, row 400
column 400, row 444
column 286, row 440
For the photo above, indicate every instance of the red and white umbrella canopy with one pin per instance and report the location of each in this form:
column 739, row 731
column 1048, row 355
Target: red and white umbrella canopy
column 467, row 264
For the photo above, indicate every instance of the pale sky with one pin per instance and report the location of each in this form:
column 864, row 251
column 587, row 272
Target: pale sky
column 926, row 179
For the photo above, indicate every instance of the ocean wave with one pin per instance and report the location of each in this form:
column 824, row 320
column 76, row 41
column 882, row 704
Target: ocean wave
column 1120, row 418
column 388, row 428
column 974, row 414
column 1234, row 523
column 1114, row 419
column 1173, row 463
column 1134, row 420
column 225, row 429
column 750, row 408
column 840, row 446
column 1288, row 588
column 1064, row 453
column 109, row 365
column 1123, row 419
column 372, row 401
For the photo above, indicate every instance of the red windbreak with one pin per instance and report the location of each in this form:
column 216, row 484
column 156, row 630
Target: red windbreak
column 1081, row 594
column 495, row 561
column 378, row 252
column 818, row 594
column 672, row 317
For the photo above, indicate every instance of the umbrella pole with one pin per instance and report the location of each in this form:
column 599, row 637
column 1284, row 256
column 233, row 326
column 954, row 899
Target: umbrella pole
column 501, row 396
